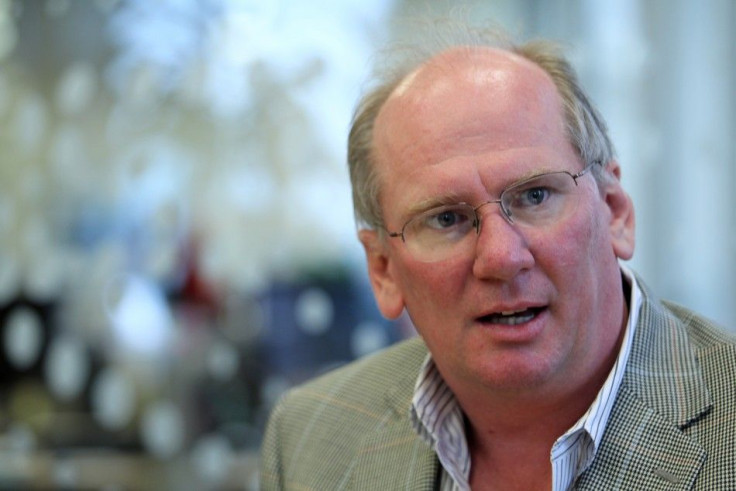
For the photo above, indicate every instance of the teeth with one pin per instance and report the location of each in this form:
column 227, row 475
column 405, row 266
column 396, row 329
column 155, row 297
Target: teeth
column 513, row 320
column 513, row 317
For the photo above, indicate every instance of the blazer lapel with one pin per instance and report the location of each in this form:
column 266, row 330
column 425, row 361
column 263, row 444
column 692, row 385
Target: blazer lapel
column 642, row 450
column 394, row 456
column 646, row 444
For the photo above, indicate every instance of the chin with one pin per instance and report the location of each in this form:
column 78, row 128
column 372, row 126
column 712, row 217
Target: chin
column 514, row 375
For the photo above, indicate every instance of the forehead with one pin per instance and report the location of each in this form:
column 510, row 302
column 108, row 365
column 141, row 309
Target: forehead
column 467, row 100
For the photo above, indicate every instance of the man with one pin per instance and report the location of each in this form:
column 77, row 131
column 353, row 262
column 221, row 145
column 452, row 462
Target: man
column 493, row 213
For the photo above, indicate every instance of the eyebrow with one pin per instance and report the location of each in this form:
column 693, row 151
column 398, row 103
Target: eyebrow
column 534, row 173
column 427, row 204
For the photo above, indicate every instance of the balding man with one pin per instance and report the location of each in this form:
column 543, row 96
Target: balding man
column 491, row 211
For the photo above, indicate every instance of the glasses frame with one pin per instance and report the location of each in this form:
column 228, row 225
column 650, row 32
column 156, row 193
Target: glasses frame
column 505, row 212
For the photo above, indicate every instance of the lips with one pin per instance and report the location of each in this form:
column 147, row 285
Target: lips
column 511, row 318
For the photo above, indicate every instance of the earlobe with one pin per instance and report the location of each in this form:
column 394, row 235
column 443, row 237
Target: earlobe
column 385, row 289
column 622, row 224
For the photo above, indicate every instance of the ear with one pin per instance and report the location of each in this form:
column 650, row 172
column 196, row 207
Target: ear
column 622, row 224
column 387, row 292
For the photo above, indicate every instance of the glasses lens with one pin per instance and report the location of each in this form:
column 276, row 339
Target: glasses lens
column 541, row 200
column 449, row 231
column 440, row 232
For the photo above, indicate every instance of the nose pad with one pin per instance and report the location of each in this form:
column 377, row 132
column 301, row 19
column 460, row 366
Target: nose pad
column 478, row 223
column 506, row 213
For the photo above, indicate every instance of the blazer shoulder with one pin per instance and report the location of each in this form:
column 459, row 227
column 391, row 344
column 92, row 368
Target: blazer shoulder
column 315, row 432
column 704, row 333
column 372, row 374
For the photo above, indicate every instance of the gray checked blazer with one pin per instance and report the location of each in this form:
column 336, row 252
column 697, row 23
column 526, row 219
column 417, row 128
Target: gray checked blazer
column 673, row 425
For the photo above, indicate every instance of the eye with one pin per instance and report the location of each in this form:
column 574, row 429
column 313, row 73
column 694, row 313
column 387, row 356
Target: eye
column 446, row 218
column 533, row 197
column 536, row 193
column 538, row 199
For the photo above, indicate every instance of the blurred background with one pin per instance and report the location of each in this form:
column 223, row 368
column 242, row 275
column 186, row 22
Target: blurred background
column 177, row 245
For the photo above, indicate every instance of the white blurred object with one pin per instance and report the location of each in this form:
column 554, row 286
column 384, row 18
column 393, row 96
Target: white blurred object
column 140, row 315
column 272, row 388
column 314, row 311
column 113, row 399
column 8, row 31
column 368, row 337
column 162, row 429
column 222, row 361
column 212, row 457
column 76, row 89
column 23, row 337
column 67, row 367
column 65, row 473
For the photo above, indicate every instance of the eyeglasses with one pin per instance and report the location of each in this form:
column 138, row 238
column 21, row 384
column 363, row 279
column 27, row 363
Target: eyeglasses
column 445, row 231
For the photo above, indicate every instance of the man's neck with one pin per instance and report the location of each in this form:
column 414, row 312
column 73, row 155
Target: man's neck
column 534, row 416
column 510, row 441
column 510, row 465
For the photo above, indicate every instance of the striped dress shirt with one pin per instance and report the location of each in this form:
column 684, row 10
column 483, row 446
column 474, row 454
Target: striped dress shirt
column 437, row 417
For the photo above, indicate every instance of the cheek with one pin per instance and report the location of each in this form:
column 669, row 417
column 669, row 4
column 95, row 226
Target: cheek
column 564, row 248
column 433, row 287
column 572, row 253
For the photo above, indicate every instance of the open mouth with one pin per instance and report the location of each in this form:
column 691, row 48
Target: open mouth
column 512, row 318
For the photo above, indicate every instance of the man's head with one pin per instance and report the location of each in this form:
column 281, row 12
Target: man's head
column 528, row 304
column 585, row 128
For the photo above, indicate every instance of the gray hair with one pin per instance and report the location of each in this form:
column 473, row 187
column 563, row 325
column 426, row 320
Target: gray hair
column 586, row 129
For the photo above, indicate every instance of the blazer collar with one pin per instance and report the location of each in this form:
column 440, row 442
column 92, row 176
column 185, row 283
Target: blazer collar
column 663, row 369
column 663, row 392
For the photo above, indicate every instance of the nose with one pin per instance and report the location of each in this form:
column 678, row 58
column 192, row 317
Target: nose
column 501, row 250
